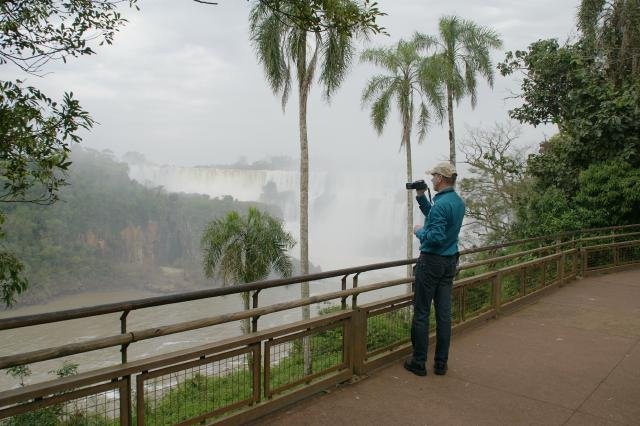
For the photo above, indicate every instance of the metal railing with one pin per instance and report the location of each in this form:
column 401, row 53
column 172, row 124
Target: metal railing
column 241, row 378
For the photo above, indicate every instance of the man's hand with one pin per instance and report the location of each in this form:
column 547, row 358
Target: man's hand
column 420, row 192
column 416, row 227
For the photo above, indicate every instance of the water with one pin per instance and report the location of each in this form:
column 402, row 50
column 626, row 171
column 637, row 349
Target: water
column 355, row 216
column 49, row 335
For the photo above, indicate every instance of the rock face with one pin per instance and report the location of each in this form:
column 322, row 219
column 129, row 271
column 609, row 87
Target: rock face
column 140, row 244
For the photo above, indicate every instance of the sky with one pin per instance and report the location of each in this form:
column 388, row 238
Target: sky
column 181, row 85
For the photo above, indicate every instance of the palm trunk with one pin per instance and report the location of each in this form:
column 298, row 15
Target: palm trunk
column 452, row 132
column 303, row 95
column 406, row 141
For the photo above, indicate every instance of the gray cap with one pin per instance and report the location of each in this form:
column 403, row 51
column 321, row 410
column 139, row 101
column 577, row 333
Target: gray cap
column 445, row 169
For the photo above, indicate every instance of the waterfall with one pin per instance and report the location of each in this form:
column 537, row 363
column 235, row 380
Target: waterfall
column 355, row 217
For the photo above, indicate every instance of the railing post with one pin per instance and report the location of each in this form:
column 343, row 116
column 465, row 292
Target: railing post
column 254, row 319
column 462, row 301
column 496, row 292
column 583, row 262
column 343, row 299
column 354, row 298
column 256, row 358
column 563, row 259
column 359, row 340
column 125, row 401
column 123, row 330
column 140, row 399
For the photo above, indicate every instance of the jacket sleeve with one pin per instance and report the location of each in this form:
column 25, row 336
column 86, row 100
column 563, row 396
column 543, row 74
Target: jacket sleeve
column 424, row 204
column 434, row 234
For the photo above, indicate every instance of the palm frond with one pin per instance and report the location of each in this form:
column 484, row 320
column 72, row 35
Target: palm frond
column 382, row 57
column 430, row 78
column 337, row 55
column 380, row 107
column 266, row 33
column 376, row 85
column 423, row 121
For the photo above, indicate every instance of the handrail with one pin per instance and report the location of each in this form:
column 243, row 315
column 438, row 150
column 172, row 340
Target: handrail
column 110, row 308
column 149, row 333
column 130, row 305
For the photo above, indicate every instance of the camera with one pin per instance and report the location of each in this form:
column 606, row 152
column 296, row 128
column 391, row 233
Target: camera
column 419, row 185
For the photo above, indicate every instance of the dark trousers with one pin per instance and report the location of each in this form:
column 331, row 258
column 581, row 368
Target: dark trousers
column 433, row 282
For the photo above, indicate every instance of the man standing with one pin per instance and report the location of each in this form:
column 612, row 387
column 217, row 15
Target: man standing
column 436, row 268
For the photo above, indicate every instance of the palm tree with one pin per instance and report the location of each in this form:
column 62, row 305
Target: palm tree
column 283, row 47
column 411, row 81
column 243, row 249
column 464, row 52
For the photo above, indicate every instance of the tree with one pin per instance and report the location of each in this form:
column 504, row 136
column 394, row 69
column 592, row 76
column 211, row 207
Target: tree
column 586, row 174
column 411, row 82
column 496, row 180
column 283, row 48
column 464, row 52
column 36, row 131
column 611, row 31
column 598, row 118
column 244, row 249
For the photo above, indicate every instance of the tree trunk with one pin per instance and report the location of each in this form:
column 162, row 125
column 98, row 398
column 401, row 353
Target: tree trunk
column 303, row 95
column 406, row 141
column 452, row 132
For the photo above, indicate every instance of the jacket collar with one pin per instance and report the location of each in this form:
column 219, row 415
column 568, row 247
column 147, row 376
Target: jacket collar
column 445, row 190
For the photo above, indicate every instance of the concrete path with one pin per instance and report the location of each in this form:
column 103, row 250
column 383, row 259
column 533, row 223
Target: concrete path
column 570, row 358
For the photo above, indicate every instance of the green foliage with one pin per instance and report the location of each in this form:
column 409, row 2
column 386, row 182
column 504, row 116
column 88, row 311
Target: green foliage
column 67, row 369
column 550, row 73
column 35, row 131
column 19, row 372
column 611, row 32
column 614, row 183
column 585, row 175
column 34, row 33
column 464, row 53
column 411, row 82
column 244, row 249
column 342, row 16
column 284, row 47
column 12, row 282
column 546, row 211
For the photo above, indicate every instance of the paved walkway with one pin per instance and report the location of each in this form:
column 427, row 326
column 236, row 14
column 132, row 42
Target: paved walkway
column 570, row 358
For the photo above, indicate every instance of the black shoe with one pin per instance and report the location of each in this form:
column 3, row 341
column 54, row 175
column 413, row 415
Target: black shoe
column 415, row 368
column 440, row 368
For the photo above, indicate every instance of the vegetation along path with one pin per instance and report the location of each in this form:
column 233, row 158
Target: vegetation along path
column 570, row 358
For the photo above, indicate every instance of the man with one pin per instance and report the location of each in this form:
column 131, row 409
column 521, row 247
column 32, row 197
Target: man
column 436, row 268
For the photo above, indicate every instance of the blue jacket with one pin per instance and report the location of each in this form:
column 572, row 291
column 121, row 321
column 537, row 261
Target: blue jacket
column 442, row 222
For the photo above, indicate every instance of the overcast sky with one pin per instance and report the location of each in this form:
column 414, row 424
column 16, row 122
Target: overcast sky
column 181, row 85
